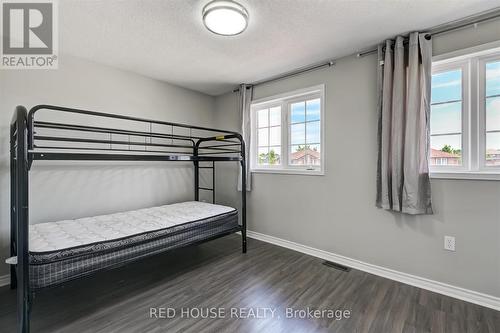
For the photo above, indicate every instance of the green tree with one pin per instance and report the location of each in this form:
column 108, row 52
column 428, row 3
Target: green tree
column 273, row 157
column 269, row 158
column 306, row 147
column 447, row 149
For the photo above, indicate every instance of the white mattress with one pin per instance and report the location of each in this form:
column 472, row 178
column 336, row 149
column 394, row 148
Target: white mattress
column 53, row 236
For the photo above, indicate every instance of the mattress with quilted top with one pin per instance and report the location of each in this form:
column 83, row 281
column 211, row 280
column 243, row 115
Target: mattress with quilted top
column 64, row 250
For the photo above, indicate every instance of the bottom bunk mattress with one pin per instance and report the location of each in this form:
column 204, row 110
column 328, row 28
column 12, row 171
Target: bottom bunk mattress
column 66, row 250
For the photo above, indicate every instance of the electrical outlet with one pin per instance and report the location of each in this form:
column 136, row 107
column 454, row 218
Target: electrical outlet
column 449, row 243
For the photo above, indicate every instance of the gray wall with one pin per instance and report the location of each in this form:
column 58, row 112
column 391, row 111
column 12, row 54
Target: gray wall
column 337, row 213
column 68, row 190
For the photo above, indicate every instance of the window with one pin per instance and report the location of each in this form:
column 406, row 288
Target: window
column 492, row 105
column 287, row 132
column 465, row 115
column 446, row 117
column 305, row 131
column 269, row 136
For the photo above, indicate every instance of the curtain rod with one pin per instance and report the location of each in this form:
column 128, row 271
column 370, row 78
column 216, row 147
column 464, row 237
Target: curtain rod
column 286, row 75
column 473, row 20
column 437, row 30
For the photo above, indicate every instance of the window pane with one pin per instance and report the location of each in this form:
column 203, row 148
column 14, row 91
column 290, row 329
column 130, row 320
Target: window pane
column 275, row 136
column 493, row 113
column 298, row 112
column 493, row 78
column 275, row 116
column 262, row 119
column 313, row 132
column 274, row 155
column 263, row 137
column 447, row 86
column 446, row 118
column 297, row 134
column 446, row 150
column 313, row 110
column 263, row 155
column 493, row 149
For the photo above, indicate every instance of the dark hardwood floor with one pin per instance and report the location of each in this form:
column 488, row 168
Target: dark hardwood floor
column 216, row 275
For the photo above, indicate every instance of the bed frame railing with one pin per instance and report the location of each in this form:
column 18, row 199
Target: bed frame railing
column 97, row 136
column 157, row 140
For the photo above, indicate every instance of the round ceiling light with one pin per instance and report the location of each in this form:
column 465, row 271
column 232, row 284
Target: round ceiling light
column 225, row 17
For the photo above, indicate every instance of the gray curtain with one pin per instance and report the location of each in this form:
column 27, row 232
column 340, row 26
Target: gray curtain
column 245, row 100
column 404, row 91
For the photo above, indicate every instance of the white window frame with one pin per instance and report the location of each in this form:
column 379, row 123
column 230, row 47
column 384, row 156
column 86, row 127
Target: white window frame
column 466, row 111
column 482, row 111
column 285, row 100
column 473, row 111
column 255, row 135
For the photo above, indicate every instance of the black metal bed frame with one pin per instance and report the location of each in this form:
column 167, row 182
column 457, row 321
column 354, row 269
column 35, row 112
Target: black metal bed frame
column 27, row 144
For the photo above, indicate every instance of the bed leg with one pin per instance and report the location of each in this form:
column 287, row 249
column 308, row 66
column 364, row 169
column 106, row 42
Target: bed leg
column 24, row 302
column 13, row 277
column 243, row 241
column 24, row 297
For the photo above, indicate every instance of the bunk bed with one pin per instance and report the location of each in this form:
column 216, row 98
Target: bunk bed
column 51, row 253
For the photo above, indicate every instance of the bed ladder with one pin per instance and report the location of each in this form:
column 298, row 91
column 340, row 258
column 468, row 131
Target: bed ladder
column 197, row 181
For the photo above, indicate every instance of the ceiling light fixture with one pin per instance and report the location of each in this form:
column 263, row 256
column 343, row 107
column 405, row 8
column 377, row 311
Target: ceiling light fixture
column 225, row 17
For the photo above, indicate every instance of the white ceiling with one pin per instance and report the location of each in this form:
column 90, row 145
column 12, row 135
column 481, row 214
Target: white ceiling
column 166, row 39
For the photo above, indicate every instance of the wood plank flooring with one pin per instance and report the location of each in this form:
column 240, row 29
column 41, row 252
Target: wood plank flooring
column 217, row 275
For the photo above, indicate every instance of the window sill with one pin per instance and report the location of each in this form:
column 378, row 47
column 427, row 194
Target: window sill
column 290, row 172
column 465, row 175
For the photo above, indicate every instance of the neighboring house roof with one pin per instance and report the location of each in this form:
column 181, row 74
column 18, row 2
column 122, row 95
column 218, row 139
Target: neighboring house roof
column 299, row 154
column 440, row 153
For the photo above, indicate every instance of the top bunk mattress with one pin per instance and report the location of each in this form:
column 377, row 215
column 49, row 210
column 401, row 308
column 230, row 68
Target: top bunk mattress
column 120, row 229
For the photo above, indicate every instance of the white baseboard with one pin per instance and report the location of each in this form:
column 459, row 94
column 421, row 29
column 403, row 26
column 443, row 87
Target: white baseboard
column 417, row 281
column 4, row 280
